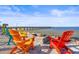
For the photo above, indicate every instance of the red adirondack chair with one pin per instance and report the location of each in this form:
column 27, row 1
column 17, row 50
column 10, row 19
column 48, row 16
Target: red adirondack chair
column 59, row 44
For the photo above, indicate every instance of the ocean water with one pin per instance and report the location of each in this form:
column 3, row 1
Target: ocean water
column 55, row 30
column 59, row 30
column 66, row 28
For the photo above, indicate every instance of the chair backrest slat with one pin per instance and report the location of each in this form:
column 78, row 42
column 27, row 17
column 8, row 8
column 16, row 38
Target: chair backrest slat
column 67, row 35
column 15, row 34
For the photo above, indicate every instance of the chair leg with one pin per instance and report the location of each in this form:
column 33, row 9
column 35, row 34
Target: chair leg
column 32, row 46
column 68, row 50
column 25, row 49
column 14, row 49
column 9, row 40
column 50, row 46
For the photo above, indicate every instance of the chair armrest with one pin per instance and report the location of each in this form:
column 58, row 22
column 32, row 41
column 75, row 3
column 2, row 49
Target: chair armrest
column 18, row 42
column 57, row 39
column 27, row 42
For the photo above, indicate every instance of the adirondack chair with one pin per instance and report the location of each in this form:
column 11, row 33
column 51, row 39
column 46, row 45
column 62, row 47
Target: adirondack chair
column 10, row 36
column 59, row 44
column 4, row 28
column 0, row 30
column 23, row 45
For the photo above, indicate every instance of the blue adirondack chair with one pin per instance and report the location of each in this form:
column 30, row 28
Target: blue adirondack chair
column 8, row 34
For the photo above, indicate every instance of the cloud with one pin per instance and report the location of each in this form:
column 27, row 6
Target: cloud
column 16, row 8
column 4, row 8
column 8, row 11
column 14, row 11
column 56, row 13
column 42, row 21
column 38, row 14
column 65, row 13
column 35, row 6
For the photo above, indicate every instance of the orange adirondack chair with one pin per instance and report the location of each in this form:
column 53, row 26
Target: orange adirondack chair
column 23, row 45
column 59, row 44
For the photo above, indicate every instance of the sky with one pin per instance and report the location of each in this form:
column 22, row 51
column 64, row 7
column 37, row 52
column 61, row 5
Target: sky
column 40, row 15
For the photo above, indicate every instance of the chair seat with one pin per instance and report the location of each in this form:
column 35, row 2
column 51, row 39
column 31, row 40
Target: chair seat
column 59, row 45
